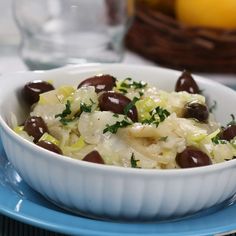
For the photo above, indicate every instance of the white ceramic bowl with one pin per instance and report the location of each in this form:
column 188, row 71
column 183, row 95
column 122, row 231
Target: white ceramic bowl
column 109, row 191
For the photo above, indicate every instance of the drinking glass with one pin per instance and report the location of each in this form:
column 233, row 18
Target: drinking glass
column 9, row 35
column 59, row 32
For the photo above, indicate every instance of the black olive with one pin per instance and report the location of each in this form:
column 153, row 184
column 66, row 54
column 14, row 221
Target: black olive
column 94, row 157
column 100, row 82
column 35, row 127
column 117, row 102
column 32, row 90
column 228, row 133
column 49, row 146
column 192, row 157
column 186, row 83
column 197, row 111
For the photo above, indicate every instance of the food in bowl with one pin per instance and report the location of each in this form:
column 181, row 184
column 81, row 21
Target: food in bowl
column 127, row 123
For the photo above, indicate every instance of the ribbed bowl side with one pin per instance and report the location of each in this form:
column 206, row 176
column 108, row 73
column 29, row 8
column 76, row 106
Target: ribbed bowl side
column 116, row 195
column 185, row 195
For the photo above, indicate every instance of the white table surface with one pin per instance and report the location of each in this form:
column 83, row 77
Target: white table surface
column 10, row 63
column 13, row 63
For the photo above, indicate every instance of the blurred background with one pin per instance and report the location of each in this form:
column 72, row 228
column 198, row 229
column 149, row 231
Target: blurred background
column 198, row 35
column 9, row 34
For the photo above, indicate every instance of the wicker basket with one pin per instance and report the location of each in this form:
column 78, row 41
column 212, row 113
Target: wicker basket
column 169, row 43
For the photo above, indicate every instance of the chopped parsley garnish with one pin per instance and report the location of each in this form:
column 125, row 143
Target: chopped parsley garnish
column 216, row 139
column 65, row 113
column 85, row 108
column 64, row 119
column 130, row 105
column 213, row 106
column 126, row 83
column 162, row 113
column 233, row 121
column 138, row 85
column 129, row 83
column 140, row 94
column 114, row 128
column 124, row 91
column 158, row 115
column 133, row 162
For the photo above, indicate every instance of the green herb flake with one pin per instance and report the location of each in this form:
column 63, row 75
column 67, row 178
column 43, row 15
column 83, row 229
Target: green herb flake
column 65, row 121
column 133, row 162
column 141, row 94
column 129, row 83
column 162, row 113
column 124, row 91
column 85, row 108
column 217, row 140
column 158, row 115
column 233, row 121
column 130, row 105
column 114, row 128
column 213, row 106
column 126, row 83
column 65, row 113
column 139, row 85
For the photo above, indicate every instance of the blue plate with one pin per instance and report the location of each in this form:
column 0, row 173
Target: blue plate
column 19, row 201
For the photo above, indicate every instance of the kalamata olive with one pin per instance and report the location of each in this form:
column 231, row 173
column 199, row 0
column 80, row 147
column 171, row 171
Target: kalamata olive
column 228, row 133
column 49, row 146
column 186, row 83
column 117, row 103
column 192, row 157
column 94, row 157
column 197, row 111
column 32, row 90
column 100, row 82
column 35, row 127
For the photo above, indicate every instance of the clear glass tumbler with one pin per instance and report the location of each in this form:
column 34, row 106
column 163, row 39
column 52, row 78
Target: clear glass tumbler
column 60, row 32
column 9, row 35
